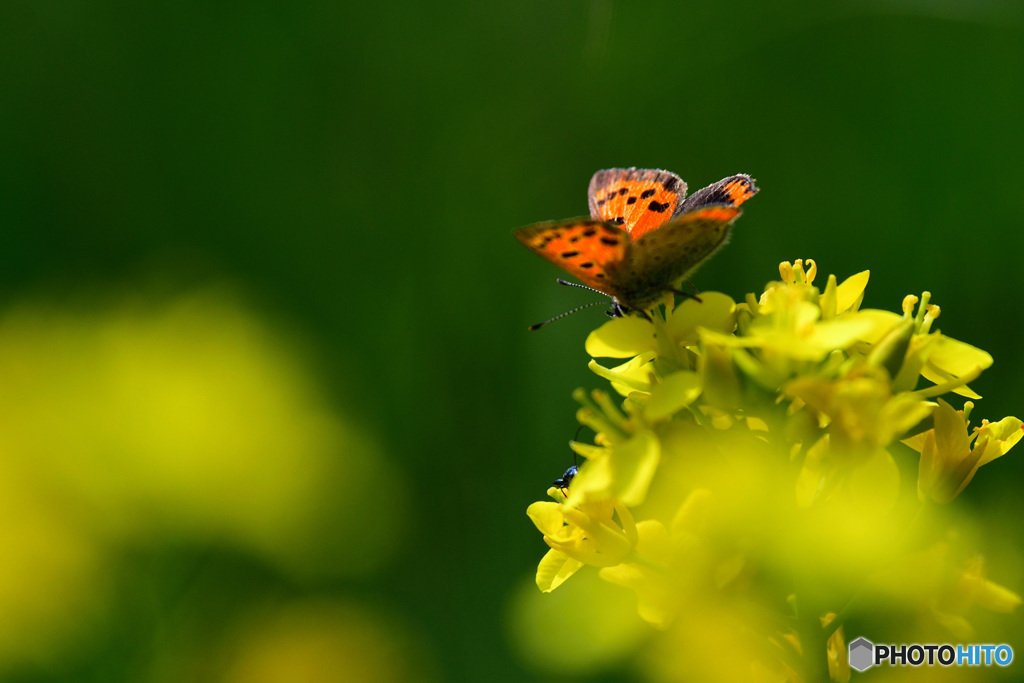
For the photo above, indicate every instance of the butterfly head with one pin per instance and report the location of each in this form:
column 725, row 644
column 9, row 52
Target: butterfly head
column 617, row 309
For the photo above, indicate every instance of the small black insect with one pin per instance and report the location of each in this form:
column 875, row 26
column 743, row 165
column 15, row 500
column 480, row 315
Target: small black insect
column 566, row 479
column 563, row 482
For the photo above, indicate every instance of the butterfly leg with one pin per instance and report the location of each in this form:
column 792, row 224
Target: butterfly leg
column 620, row 311
column 692, row 286
column 687, row 294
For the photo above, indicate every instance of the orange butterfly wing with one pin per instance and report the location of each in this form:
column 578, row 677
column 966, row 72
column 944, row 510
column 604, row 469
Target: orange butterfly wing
column 663, row 257
column 639, row 200
column 731, row 191
column 656, row 262
column 586, row 249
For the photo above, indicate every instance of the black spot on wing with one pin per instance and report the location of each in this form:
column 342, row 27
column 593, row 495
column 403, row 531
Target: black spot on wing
column 631, row 200
column 656, row 207
column 610, row 241
column 647, row 193
column 569, row 254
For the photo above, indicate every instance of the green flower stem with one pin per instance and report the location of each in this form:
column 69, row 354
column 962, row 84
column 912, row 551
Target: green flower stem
column 814, row 643
column 946, row 387
column 851, row 604
column 595, row 417
column 639, row 559
column 921, row 309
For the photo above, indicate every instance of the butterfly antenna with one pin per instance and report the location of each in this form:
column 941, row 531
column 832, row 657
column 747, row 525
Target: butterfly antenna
column 562, row 315
column 576, row 284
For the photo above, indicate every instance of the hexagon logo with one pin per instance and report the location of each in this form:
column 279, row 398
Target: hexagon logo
column 862, row 654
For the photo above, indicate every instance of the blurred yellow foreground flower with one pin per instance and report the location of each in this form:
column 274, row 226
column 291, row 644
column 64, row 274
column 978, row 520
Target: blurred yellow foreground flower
column 145, row 424
column 746, row 487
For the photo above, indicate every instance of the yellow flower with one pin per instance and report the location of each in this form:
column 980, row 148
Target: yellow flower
column 951, row 364
column 621, row 471
column 792, row 327
column 950, row 457
column 759, row 440
column 948, row 363
column 964, row 588
column 838, row 654
column 975, row 589
column 789, row 325
column 631, row 336
column 657, row 603
column 587, row 534
column 860, row 409
column 554, row 569
column 635, row 375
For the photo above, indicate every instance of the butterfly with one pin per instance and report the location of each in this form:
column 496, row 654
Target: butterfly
column 643, row 237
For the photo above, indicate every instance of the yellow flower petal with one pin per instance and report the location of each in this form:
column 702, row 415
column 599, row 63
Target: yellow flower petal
column 621, row 338
column 672, row 394
column 610, row 541
column 850, row 293
column 546, row 516
column 947, row 460
column 633, row 375
column 715, row 311
column 949, row 360
column 810, row 481
column 957, row 358
column 719, row 376
column 1002, row 436
column 623, row 471
column 554, row 568
column 996, row 598
column 882, row 322
column 838, row 653
column 839, row 333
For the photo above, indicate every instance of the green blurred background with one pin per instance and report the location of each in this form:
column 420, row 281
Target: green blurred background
column 272, row 411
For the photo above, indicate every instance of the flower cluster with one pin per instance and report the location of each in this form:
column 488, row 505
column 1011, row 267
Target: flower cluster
column 747, row 485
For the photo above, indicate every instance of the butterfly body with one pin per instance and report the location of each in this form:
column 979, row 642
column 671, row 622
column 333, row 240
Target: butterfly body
column 643, row 236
